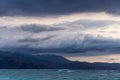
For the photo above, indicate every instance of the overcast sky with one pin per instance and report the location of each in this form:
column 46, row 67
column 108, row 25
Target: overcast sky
column 71, row 28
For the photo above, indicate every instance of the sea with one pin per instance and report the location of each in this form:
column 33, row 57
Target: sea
column 61, row 74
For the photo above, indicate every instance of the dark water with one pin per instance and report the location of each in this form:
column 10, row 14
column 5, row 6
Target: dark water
column 34, row 74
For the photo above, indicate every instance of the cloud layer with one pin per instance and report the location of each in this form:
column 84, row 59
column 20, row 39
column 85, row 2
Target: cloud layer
column 60, row 26
column 56, row 7
column 66, row 41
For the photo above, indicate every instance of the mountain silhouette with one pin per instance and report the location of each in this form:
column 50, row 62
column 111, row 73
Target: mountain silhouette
column 16, row 60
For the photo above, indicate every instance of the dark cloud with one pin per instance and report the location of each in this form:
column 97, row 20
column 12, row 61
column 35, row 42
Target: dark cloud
column 3, row 27
column 38, row 28
column 78, row 25
column 47, row 38
column 29, row 40
column 35, row 40
column 88, row 44
column 52, row 7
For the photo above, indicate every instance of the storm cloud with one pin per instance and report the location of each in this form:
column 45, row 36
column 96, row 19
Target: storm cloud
column 56, row 7
column 56, row 45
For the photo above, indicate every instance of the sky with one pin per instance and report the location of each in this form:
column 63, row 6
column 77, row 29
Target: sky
column 84, row 30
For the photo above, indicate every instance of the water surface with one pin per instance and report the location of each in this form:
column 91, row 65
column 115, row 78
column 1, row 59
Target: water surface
column 37, row 74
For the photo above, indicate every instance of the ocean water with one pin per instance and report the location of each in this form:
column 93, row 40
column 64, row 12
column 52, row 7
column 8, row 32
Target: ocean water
column 37, row 74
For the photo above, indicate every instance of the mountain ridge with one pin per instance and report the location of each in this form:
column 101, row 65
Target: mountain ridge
column 27, row 61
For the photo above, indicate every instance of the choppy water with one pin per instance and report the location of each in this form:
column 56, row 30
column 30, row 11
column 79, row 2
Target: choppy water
column 36, row 74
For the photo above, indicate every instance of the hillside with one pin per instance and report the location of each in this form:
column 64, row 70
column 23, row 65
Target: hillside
column 27, row 61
